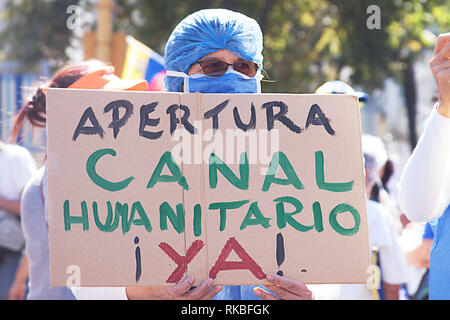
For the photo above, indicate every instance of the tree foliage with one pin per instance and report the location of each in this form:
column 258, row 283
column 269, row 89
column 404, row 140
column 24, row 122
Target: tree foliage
column 306, row 42
column 309, row 42
column 34, row 31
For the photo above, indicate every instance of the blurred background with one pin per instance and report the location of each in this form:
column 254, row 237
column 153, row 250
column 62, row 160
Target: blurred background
column 380, row 47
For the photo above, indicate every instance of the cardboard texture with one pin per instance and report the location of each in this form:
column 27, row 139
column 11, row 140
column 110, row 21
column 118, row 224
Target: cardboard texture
column 146, row 188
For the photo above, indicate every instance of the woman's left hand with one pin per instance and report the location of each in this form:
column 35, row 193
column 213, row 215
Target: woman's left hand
column 285, row 288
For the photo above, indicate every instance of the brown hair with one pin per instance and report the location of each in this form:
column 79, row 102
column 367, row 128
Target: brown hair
column 35, row 109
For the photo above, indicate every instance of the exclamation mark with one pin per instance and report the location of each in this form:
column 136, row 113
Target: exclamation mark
column 280, row 252
column 138, row 259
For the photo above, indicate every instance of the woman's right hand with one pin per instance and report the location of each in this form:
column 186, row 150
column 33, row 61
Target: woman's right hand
column 181, row 291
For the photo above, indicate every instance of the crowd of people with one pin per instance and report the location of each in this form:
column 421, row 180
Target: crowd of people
column 220, row 51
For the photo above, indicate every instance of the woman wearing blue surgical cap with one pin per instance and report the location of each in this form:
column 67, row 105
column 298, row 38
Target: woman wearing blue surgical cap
column 217, row 51
column 210, row 51
column 214, row 51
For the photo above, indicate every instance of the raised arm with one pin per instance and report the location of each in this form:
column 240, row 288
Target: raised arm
column 425, row 183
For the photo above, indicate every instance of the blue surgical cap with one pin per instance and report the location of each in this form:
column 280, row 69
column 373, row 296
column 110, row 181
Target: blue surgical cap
column 207, row 31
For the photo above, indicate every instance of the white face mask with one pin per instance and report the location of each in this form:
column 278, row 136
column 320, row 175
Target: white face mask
column 231, row 82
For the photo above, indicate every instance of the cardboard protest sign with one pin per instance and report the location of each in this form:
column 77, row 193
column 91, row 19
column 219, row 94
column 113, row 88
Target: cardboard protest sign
column 146, row 188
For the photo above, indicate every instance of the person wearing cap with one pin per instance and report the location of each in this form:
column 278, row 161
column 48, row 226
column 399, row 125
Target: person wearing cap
column 214, row 51
column 383, row 238
column 90, row 74
column 341, row 87
column 387, row 253
column 425, row 182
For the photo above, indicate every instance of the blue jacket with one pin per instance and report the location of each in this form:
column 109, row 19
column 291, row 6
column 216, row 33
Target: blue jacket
column 440, row 258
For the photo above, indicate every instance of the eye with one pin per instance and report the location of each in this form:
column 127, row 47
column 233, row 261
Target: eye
column 214, row 64
column 213, row 67
column 242, row 65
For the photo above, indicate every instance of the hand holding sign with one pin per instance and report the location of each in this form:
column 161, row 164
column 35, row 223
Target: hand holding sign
column 285, row 288
column 181, row 291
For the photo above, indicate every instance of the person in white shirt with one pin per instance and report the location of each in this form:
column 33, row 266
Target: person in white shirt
column 390, row 269
column 16, row 166
column 425, row 182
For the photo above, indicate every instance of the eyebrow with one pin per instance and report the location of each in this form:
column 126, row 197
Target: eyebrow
column 212, row 59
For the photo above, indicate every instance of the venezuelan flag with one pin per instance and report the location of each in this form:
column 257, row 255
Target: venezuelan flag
column 141, row 62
